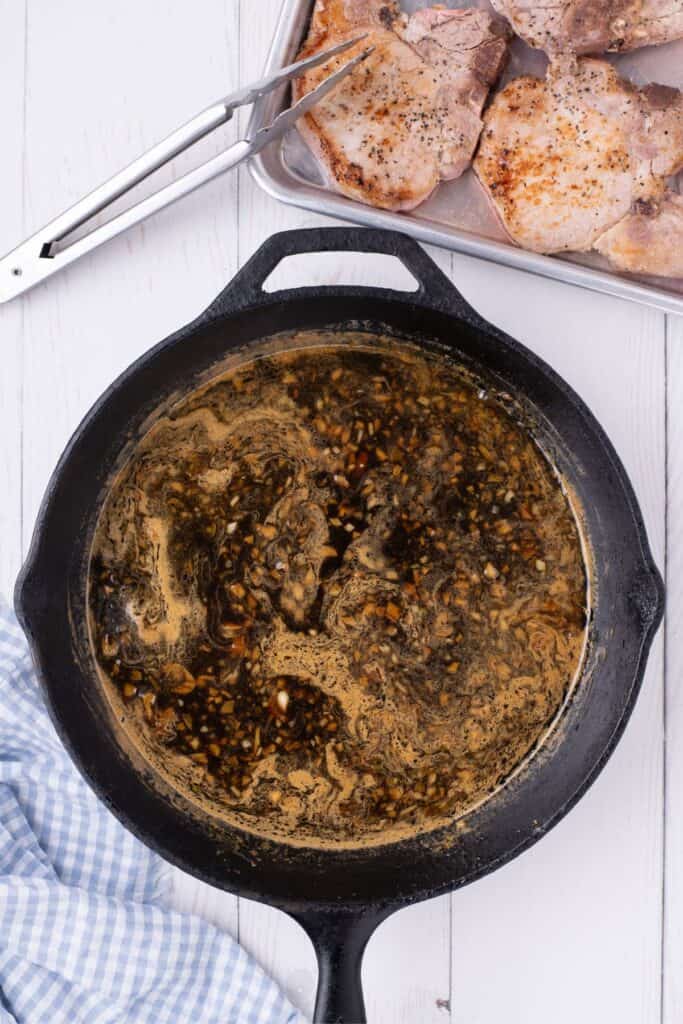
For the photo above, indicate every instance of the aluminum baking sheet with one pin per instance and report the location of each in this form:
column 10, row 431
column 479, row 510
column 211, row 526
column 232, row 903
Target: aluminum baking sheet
column 457, row 216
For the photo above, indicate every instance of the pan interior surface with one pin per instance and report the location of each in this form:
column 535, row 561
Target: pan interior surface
column 339, row 592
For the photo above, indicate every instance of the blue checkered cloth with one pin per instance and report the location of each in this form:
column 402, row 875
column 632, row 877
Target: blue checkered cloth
column 85, row 937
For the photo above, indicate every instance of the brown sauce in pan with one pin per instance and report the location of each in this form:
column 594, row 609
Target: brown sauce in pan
column 338, row 594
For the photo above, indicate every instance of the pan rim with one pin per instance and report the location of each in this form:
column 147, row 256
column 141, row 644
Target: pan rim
column 32, row 609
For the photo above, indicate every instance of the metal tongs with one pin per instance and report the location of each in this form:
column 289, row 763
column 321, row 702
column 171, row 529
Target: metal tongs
column 49, row 250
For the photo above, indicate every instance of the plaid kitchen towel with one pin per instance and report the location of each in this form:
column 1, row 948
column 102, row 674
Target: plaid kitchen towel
column 85, row 937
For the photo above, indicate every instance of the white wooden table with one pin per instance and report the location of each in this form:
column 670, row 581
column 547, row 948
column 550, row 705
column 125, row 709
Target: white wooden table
column 588, row 925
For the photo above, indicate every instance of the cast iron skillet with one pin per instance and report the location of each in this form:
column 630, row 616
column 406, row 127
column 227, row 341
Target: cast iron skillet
column 341, row 896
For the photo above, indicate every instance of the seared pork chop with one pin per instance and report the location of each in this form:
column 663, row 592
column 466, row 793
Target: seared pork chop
column 649, row 240
column 567, row 159
column 410, row 115
column 594, row 26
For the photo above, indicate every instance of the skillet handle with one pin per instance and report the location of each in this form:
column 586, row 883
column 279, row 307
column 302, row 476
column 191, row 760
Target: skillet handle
column 339, row 938
column 434, row 288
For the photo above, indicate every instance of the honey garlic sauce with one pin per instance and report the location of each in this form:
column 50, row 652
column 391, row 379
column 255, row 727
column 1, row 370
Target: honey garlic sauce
column 339, row 591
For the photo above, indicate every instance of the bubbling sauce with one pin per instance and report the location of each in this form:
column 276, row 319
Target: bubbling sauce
column 338, row 593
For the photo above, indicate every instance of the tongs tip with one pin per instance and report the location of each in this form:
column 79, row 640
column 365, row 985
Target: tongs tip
column 321, row 56
column 288, row 117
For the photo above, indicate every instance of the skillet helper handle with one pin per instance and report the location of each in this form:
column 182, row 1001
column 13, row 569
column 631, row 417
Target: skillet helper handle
column 434, row 288
column 339, row 938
